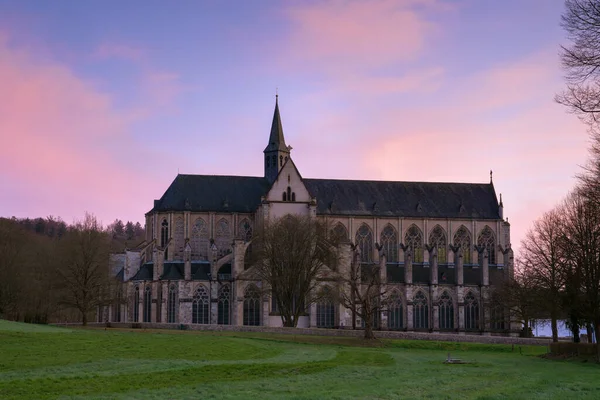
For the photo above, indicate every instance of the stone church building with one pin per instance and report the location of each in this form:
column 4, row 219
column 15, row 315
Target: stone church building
column 441, row 246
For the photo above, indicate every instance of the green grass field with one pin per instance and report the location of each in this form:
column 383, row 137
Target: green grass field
column 39, row 362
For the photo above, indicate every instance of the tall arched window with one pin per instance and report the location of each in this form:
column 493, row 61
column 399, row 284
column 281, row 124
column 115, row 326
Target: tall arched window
column 446, row 312
column 339, row 233
column 462, row 239
column 471, row 312
column 252, row 306
column 245, row 230
column 178, row 239
column 136, row 305
column 200, row 304
column 200, row 240
column 289, row 193
column 414, row 241
column 325, row 310
column 395, row 312
column 284, row 196
column 420, row 311
column 437, row 239
column 172, row 304
column 389, row 242
column 148, row 304
column 223, row 305
column 364, row 241
column 223, row 237
column 487, row 241
column 164, row 233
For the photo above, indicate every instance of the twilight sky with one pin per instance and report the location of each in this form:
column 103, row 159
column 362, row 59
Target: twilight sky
column 103, row 102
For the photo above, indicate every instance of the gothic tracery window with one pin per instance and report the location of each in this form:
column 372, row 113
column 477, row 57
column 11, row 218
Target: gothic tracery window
column 147, row 304
column 222, row 237
column 364, row 241
column 437, row 239
column 413, row 240
column 164, row 233
column 446, row 311
column 200, row 305
column 339, row 233
column 325, row 310
column 178, row 238
column 420, row 311
column 462, row 239
column 487, row 241
column 252, row 306
column 200, row 239
column 224, row 305
column 471, row 312
column 245, row 230
column 172, row 304
column 395, row 312
column 389, row 242
column 136, row 305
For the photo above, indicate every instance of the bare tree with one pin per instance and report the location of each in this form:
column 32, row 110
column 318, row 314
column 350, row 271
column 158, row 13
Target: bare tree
column 519, row 297
column 290, row 254
column 83, row 270
column 581, row 59
column 12, row 247
column 582, row 247
column 542, row 258
column 362, row 292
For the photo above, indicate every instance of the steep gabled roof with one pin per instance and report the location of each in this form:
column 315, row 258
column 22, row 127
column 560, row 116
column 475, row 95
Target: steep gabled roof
column 213, row 193
column 337, row 197
column 404, row 199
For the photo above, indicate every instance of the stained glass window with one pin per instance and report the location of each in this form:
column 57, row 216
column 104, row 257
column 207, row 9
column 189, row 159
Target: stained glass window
column 437, row 239
column 446, row 311
column 389, row 242
column 200, row 306
column 364, row 241
column 414, row 241
column 252, row 306
column 462, row 239
column 487, row 241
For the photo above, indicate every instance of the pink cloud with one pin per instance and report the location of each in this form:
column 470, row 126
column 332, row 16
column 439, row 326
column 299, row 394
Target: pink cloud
column 62, row 144
column 349, row 35
column 535, row 148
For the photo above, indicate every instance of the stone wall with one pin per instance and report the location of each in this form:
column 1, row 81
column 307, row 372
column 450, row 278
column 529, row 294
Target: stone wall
column 447, row 337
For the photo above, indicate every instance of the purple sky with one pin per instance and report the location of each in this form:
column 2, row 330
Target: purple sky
column 103, row 102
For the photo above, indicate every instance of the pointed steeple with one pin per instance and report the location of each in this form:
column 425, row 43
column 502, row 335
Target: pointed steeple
column 276, row 152
column 276, row 139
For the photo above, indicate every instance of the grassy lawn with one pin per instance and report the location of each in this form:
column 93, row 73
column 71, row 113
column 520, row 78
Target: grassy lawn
column 38, row 362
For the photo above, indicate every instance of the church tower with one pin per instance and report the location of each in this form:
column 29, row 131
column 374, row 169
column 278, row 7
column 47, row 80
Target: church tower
column 276, row 152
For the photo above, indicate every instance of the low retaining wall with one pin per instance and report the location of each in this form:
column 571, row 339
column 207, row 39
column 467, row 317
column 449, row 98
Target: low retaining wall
column 446, row 337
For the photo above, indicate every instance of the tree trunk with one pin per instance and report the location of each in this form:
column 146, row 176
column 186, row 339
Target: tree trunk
column 554, row 326
column 84, row 318
column 590, row 330
column 369, row 331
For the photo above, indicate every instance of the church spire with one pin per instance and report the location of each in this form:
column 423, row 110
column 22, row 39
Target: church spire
column 276, row 152
column 276, row 139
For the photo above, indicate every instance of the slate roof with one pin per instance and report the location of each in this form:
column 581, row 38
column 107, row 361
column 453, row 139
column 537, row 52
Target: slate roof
column 337, row 197
column 213, row 193
column 404, row 199
column 174, row 270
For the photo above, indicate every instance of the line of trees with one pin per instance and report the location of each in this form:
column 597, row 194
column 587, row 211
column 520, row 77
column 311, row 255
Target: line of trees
column 53, row 272
column 558, row 271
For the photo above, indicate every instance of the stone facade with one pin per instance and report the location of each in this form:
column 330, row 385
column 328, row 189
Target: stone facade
column 439, row 266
